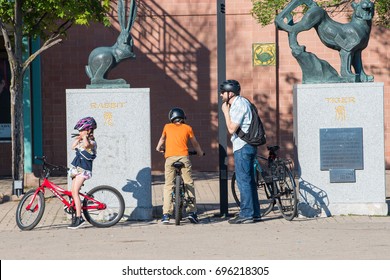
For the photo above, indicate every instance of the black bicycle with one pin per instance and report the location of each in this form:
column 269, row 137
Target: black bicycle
column 275, row 185
column 180, row 196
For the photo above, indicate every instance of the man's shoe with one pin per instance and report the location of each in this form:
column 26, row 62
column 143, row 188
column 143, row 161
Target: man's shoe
column 165, row 219
column 193, row 217
column 78, row 222
column 241, row 220
column 256, row 219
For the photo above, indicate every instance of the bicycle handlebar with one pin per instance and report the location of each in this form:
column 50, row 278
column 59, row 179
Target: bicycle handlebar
column 193, row 153
column 52, row 166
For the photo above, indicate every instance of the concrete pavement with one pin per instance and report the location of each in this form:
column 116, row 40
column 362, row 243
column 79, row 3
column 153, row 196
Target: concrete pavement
column 338, row 237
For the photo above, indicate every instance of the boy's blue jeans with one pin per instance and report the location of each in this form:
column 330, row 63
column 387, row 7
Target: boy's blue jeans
column 244, row 160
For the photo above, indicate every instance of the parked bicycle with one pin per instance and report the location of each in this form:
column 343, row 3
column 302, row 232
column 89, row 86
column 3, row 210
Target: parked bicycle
column 275, row 185
column 102, row 206
column 180, row 197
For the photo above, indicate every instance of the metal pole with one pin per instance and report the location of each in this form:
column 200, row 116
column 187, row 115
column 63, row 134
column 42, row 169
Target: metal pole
column 222, row 131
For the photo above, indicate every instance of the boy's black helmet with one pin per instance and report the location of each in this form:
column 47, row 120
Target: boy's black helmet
column 230, row 86
column 176, row 113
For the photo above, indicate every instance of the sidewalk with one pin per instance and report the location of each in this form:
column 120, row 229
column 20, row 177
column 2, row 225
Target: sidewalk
column 338, row 237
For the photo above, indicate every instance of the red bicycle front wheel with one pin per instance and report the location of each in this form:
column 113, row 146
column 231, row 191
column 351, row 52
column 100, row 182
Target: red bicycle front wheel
column 27, row 219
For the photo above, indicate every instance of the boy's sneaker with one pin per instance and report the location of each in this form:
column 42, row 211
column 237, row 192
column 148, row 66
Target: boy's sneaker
column 241, row 220
column 78, row 222
column 165, row 219
column 256, row 219
column 193, row 218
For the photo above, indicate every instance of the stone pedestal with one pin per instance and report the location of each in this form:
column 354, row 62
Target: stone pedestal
column 123, row 139
column 343, row 179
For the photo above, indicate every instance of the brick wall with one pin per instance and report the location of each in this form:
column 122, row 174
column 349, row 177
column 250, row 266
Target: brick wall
column 176, row 48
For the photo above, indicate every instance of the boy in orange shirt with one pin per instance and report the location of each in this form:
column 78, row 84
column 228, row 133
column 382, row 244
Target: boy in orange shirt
column 175, row 137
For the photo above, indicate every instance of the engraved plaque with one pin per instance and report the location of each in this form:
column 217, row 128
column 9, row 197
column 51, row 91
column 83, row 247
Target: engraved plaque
column 341, row 148
column 342, row 175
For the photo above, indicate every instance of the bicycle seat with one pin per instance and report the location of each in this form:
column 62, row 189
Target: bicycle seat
column 273, row 148
column 178, row 164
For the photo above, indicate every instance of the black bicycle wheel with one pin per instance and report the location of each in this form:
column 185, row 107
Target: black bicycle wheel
column 264, row 193
column 266, row 201
column 287, row 193
column 28, row 219
column 235, row 190
column 178, row 202
column 113, row 212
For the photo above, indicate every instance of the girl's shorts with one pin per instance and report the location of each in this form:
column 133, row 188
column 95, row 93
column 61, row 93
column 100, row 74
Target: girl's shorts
column 78, row 171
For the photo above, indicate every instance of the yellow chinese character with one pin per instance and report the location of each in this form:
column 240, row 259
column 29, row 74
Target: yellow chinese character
column 341, row 114
column 108, row 118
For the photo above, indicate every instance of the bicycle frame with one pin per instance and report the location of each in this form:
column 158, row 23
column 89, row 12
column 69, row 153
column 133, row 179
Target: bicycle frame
column 102, row 206
column 183, row 197
column 60, row 193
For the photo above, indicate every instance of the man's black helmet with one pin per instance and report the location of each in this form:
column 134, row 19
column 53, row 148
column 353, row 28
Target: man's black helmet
column 176, row 113
column 230, row 86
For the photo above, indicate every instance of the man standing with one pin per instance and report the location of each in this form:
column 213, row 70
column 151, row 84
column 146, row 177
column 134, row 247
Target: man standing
column 237, row 112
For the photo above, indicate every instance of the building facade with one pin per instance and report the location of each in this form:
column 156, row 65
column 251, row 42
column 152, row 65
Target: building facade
column 175, row 42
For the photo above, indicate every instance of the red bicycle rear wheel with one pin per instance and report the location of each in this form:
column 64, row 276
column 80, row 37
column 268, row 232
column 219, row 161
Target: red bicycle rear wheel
column 114, row 202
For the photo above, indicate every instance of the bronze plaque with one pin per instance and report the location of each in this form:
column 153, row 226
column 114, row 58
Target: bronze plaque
column 342, row 175
column 341, row 148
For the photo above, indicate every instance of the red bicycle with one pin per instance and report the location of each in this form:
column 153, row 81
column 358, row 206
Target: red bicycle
column 102, row 206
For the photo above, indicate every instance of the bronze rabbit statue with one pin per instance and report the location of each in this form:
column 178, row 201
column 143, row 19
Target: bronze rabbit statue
column 102, row 59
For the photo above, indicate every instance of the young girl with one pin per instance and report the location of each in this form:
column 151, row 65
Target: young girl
column 85, row 147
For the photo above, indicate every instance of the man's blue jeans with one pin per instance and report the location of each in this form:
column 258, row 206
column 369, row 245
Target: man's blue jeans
column 244, row 160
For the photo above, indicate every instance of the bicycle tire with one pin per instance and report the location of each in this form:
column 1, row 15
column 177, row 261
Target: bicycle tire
column 178, row 202
column 115, row 207
column 264, row 193
column 287, row 193
column 28, row 219
column 235, row 190
column 266, row 200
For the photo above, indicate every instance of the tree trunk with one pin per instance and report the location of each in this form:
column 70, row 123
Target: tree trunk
column 17, row 125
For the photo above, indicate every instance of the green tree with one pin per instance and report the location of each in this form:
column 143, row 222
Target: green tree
column 48, row 20
column 265, row 10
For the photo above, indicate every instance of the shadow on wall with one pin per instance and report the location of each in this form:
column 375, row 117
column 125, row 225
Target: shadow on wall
column 278, row 127
column 140, row 190
column 313, row 201
column 180, row 68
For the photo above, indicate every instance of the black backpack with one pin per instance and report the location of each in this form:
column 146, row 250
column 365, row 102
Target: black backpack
column 256, row 133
